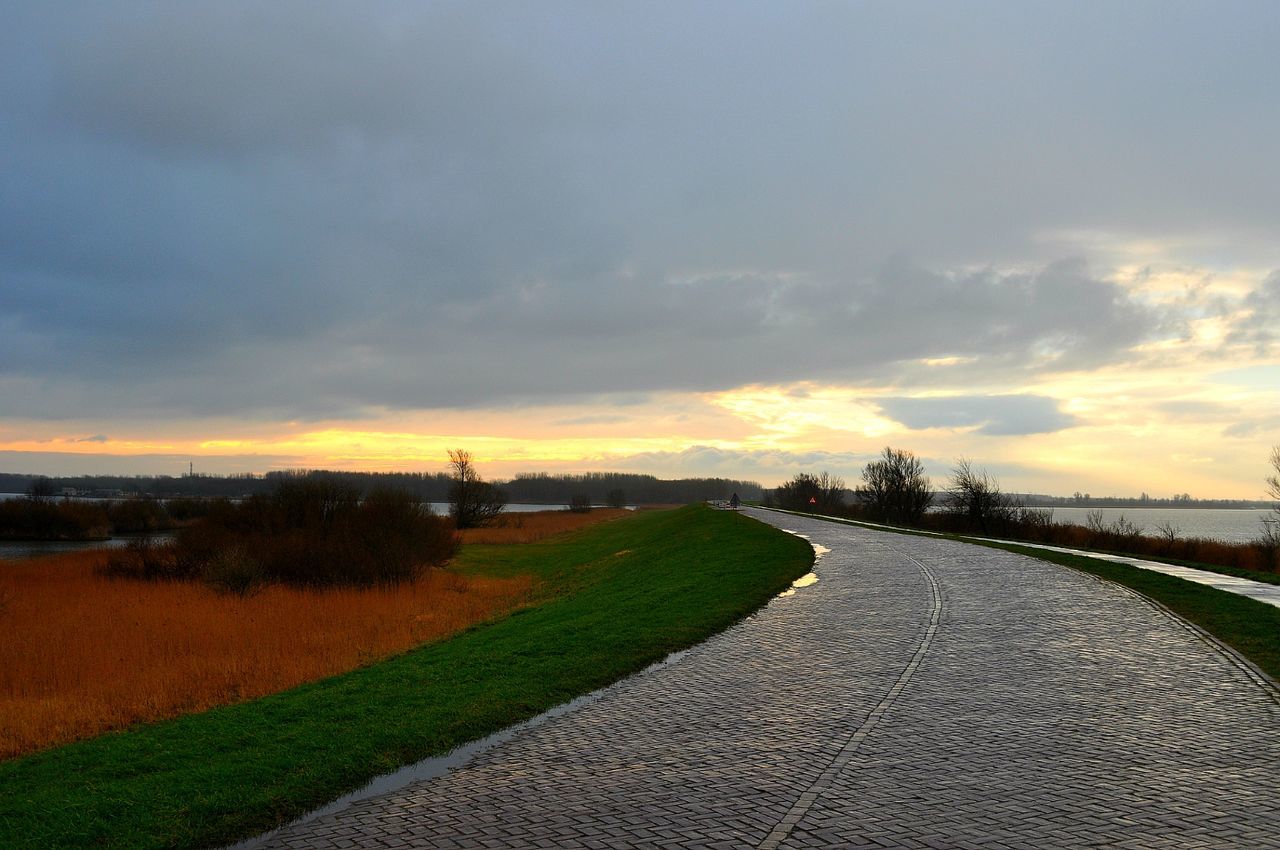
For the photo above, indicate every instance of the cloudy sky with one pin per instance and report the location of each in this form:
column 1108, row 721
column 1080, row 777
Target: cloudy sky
column 741, row 239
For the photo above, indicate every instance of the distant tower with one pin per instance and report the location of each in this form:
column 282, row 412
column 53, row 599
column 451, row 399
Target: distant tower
column 191, row 469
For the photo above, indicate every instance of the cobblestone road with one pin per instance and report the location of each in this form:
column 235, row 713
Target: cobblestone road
column 922, row 694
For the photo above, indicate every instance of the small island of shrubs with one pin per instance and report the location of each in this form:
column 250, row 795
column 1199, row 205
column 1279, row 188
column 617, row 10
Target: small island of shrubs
column 309, row 532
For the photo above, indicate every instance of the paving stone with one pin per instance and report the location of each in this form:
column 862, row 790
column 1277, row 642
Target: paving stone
column 922, row 694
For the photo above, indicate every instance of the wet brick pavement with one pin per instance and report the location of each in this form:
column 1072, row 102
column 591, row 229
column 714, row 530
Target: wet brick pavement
column 922, row 694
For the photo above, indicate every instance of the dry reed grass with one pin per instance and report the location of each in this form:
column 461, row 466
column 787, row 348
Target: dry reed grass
column 83, row 654
column 538, row 525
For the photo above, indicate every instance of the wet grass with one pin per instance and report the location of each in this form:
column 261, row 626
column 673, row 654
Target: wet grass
column 615, row 598
column 532, row 526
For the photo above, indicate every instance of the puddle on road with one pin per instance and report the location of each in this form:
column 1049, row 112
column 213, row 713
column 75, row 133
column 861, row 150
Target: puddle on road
column 808, row 578
column 804, row 581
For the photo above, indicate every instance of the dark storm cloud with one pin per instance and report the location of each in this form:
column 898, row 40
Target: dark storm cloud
column 324, row 209
column 993, row 415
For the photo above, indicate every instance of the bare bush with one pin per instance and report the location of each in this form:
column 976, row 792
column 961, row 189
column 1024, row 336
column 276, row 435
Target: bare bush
column 311, row 532
column 234, row 570
column 975, row 497
column 1124, row 532
column 1034, row 522
column 142, row 558
column 822, row 493
column 1168, row 533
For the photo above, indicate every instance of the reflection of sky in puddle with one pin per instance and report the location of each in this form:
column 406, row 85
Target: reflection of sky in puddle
column 808, row 578
column 804, row 581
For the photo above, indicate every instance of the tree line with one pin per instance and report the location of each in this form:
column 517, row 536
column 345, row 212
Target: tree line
column 599, row 488
column 896, row 491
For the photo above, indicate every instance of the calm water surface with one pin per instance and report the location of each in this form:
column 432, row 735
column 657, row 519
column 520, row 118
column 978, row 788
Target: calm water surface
column 1233, row 526
column 16, row 549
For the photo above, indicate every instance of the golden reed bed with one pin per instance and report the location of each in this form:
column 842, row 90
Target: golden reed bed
column 84, row 654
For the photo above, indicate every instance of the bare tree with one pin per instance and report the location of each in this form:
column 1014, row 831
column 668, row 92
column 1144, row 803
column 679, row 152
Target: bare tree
column 1273, row 481
column 473, row 502
column 976, row 496
column 1269, row 543
column 823, row 493
column 40, row 490
column 895, row 489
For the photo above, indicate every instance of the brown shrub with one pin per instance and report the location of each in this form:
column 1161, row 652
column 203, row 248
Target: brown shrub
column 311, row 532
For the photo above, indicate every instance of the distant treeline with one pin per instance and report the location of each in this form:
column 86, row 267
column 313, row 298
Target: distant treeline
column 599, row 487
column 637, row 489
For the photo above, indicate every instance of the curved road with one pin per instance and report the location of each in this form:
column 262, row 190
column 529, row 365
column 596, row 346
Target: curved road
column 922, row 694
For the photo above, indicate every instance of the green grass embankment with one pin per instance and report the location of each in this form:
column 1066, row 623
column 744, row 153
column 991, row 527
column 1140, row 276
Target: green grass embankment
column 616, row 598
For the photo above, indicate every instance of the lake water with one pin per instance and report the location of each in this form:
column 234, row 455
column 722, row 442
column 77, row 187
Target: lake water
column 1233, row 526
column 16, row 549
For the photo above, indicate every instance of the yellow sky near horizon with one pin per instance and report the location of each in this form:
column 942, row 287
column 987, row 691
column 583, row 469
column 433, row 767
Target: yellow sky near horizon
column 1161, row 430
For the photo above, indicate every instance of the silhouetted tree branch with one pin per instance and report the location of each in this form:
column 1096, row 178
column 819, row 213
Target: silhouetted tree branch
column 895, row 488
column 473, row 502
column 823, row 493
column 976, row 496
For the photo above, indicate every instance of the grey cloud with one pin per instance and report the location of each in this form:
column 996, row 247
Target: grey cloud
column 1261, row 326
column 1253, row 427
column 1242, row 429
column 769, row 465
column 994, row 415
column 75, row 463
column 1196, row 410
column 96, row 438
column 772, row 466
column 596, row 419
column 314, row 210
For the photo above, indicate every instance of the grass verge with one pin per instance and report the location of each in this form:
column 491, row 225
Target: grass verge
column 620, row 596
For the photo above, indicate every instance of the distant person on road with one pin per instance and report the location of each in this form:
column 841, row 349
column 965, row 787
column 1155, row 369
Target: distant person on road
column 734, row 501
